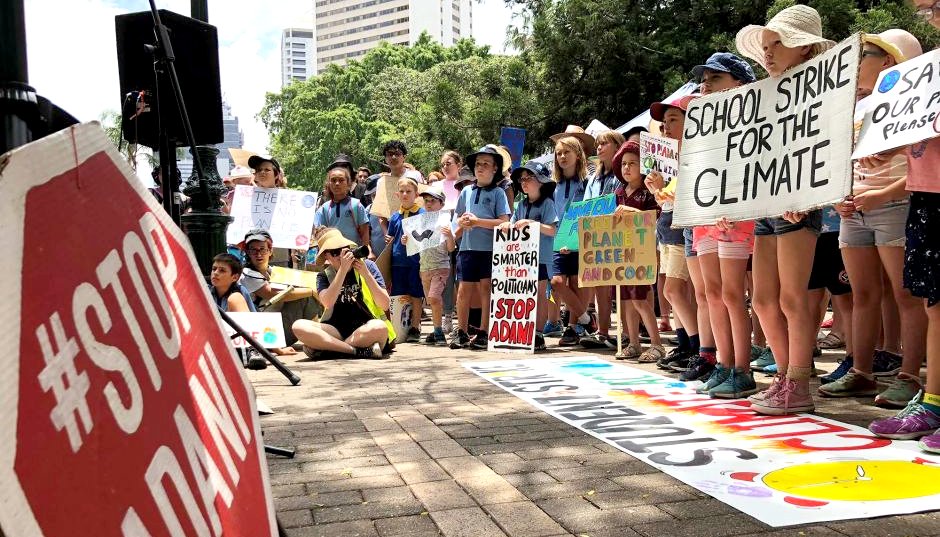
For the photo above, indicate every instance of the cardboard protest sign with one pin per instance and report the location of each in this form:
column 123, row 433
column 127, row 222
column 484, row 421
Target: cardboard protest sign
column 126, row 411
column 286, row 214
column 264, row 327
column 514, row 295
column 780, row 144
column 297, row 278
column 904, row 108
column 660, row 154
column 617, row 251
column 781, row 470
column 386, row 199
column 567, row 235
column 424, row 230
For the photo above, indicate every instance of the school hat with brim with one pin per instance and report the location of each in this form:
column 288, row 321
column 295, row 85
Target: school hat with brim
column 330, row 239
column 342, row 161
column 658, row 110
column 507, row 158
column 372, row 184
column 240, row 172
column 464, row 176
column 797, row 26
column 587, row 141
column 471, row 159
column 255, row 160
column 255, row 235
column 435, row 191
column 539, row 170
column 725, row 62
column 626, row 147
column 900, row 44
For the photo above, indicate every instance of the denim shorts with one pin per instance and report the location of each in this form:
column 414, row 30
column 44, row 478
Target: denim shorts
column 689, row 246
column 778, row 226
column 664, row 232
column 883, row 226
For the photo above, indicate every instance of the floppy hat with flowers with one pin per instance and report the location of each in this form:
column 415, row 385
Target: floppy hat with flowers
column 797, row 26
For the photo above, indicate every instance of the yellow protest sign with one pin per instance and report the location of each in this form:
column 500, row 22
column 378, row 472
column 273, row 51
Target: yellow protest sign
column 297, row 278
column 617, row 250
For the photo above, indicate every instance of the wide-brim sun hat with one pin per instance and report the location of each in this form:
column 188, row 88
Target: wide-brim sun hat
column 797, row 26
column 617, row 163
column 658, row 110
column 490, row 150
column 342, row 161
column 330, row 240
column 539, row 170
column 900, row 44
column 507, row 158
column 587, row 141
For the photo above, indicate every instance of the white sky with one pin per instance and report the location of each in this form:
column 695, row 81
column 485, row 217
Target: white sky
column 73, row 61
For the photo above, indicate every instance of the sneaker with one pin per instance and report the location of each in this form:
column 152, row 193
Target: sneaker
column 374, row 352
column 930, row 443
column 664, row 327
column 853, row 384
column 256, row 362
column 480, row 341
column 886, row 364
column 430, row 339
column 570, row 337
column 769, row 392
column 591, row 325
column 611, row 342
column 771, row 370
column 674, row 341
column 756, row 352
column 718, row 375
column 595, row 341
column 791, row 397
column 674, row 356
column 552, row 329
column 631, row 351
column 913, row 422
column 448, row 323
column 739, row 384
column 564, row 317
column 844, row 365
column 765, row 359
column 900, row 391
column 698, row 369
column 680, row 366
column 414, row 335
column 539, row 342
column 460, row 339
column 439, row 338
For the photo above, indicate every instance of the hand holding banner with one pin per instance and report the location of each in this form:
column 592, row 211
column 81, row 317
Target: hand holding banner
column 660, row 154
column 424, row 230
column 514, row 297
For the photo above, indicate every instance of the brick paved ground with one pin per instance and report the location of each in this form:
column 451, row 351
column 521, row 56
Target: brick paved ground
column 419, row 446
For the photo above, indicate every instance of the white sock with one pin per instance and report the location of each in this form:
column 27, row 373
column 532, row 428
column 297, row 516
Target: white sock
column 584, row 318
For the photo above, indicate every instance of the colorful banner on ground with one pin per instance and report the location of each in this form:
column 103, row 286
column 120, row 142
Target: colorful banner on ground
column 265, row 327
column 515, row 290
column 781, row 144
column 286, row 214
column 617, row 250
column 125, row 411
column 659, row 154
column 424, row 230
column 781, row 470
column 904, row 108
column 567, row 235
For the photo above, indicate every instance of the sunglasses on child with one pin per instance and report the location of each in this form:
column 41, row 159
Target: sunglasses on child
column 335, row 252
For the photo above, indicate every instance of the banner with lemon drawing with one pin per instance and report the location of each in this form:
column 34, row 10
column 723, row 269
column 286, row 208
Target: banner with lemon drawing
column 781, row 470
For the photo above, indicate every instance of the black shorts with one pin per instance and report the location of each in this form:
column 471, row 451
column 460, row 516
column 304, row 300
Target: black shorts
column 922, row 251
column 565, row 264
column 828, row 268
column 474, row 265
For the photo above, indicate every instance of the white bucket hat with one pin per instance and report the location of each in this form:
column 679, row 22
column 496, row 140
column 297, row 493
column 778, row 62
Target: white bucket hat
column 798, row 26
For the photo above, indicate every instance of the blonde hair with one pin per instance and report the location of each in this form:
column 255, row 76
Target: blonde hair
column 611, row 137
column 574, row 145
column 407, row 181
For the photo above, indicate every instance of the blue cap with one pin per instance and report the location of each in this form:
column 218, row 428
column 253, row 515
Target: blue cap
column 725, row 62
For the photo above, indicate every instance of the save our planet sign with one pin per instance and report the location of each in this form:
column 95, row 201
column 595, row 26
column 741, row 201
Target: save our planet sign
column 781, row 470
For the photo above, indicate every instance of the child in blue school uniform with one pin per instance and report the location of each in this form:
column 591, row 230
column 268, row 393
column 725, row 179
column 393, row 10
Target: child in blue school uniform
column 341, row 211
column 480, row 208
column 406, row 275
column 537, row 206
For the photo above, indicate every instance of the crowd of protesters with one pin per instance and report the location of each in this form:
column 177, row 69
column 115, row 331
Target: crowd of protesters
column 743, row 295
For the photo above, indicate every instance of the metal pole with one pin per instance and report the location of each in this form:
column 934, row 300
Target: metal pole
column 199, row 10
column 19, row 109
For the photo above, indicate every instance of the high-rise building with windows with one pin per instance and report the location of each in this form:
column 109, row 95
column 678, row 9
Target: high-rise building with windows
column 347, row 29
column 298, row 55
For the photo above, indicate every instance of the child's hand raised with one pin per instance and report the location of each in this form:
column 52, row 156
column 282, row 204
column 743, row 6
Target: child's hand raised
column 654, row 181
column 446, row 232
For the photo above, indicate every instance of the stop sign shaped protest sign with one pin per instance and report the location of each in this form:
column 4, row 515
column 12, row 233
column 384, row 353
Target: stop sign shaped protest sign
column 125, row 410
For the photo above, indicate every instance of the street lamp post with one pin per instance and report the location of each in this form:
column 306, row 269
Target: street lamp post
column 19, row 110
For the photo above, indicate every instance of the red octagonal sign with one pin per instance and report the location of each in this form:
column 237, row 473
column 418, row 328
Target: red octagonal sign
column 124, row 410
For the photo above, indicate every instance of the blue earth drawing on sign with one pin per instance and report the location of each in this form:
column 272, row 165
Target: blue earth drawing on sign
column 269, row 336
column 889, row 81
column 309, row 201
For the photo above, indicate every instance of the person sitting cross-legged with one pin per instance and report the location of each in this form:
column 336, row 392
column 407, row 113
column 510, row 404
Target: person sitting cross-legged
column 353, row 294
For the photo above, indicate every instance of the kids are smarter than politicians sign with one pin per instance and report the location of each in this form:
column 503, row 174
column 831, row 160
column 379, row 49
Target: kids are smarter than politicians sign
column 781, row 144
column 514, row 295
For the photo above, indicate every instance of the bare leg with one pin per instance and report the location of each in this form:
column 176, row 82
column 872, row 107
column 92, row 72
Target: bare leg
column 718, row 312
column 756, row 327
column 541, row 306
column 933, row 349
column 631, row 320
column 702, row 311
column 860, row 263
column 794, row 269
column 677, row 292
column 767, row 299
column 890, row 317
column 464, row 293
column 322, row 336
column 417, row 311
column 484, row 289
column 665, row 308
column 842, row 304
column 648, row 316
column 369, row 334
column 566, row 289
column 732, row 296
column 602, row 298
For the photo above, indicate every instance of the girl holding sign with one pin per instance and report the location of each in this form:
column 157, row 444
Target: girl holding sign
column 784, row 247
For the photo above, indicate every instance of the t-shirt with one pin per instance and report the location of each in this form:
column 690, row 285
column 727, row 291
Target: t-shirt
column 222, row 301
column 923, row 166
column 400, row 257
column 350, row 308
column 346, row 216
column 640, row 199
column 542, row 211
column 488, row 203
column 600, row 185
column 435, row 258
column 567, row 191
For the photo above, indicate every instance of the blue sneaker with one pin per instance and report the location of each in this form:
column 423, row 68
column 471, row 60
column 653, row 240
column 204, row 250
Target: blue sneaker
column 847, row 363
column 552, row 329
column 771, row 369
column 719, row 375
column 765, row 359
column 738, row 384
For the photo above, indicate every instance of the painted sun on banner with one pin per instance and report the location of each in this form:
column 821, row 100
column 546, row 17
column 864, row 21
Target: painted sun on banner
column 781, row 470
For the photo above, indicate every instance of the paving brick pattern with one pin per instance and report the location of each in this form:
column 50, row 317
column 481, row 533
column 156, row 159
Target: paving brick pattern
column 419, row 446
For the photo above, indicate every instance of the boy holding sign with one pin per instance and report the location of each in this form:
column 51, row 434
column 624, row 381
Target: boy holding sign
column 435, row 265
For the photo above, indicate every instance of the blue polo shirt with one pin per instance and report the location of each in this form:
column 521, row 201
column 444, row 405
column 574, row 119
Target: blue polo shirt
column 400, row 257
column 600, row 185
column 542, row 211
column 488, row 203
column 376, row 235
column 568, row 191
column 346, row 216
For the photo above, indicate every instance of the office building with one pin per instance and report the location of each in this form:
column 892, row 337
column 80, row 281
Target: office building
column 298, row 55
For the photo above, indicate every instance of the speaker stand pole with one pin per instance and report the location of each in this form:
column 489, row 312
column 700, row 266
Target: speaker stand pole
column 18, row 103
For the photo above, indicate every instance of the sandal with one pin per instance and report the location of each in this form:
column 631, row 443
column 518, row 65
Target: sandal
column 652, row 354
column 631, row 352
column 830, row 341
